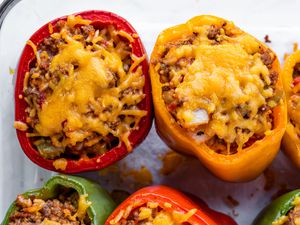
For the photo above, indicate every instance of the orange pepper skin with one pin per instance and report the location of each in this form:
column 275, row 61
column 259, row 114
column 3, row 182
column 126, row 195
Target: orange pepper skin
column 247, row 163
column 177, row 201
column 291, row 141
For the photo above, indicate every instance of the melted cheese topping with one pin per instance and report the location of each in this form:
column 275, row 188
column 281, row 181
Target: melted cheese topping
column 151, row 214
column 20, row 126
column 214, row 79
column 60, row 164
column 83, row 205
column 49, row 222
column 86, row 87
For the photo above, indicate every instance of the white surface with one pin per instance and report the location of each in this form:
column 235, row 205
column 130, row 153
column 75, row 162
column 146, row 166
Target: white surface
column 279, row 19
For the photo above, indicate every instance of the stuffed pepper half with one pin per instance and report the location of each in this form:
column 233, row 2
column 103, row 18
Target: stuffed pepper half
column 285, row 210
column 159, row 205
column 218, row 95
column 82, row 92
column 291, row 81
column 62, row 200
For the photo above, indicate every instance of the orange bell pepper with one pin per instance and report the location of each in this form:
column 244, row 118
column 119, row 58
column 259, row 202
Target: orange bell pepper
column 245, row 164
column 291, row 140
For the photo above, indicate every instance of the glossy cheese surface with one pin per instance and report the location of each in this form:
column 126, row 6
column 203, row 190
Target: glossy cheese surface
column 87, row 87
column 221, row 83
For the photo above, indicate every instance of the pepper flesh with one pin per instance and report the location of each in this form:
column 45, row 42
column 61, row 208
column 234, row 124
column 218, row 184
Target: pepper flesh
column 237, row 167
column 291, row 141
column 172, row 200
column 100, row 161
column 279, row 207
column 101, row 207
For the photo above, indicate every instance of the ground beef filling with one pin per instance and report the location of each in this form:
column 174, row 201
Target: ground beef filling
column 294, row 100
column 75, row 139
column 38, row 211
column 152, row 214
column 173, row 75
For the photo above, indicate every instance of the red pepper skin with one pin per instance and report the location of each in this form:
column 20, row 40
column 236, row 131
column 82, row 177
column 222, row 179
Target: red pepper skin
column 99, row 18
column 179, row 202
column 221, row 217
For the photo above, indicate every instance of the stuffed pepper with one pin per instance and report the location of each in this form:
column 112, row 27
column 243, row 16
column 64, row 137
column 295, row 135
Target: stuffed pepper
column 163, row 205
column 284, row 210
column 291, row 81
column 82, row 92
column 62, row 200
column 218, row 95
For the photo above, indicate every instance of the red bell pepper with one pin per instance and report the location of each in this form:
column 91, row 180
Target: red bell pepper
column 171, row 200
column 99, row 19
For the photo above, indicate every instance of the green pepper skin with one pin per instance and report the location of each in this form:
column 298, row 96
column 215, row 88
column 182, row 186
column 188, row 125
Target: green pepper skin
column 279, row 207
column 102, row 204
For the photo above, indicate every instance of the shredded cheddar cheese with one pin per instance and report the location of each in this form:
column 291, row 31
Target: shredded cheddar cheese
column 83, row 205
column 50, row 28
column 153, row 214
column 34, row 48
column 38, row 204
column 217, row 81
column 126, row 35
column 20, row 125
column 95, row 91
column 49, row 222
column 60, row 164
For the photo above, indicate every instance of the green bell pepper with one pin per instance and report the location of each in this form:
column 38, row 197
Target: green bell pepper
column 276, row 209
column 102, row 204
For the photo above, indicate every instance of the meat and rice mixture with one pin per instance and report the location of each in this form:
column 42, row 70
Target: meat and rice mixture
column 294, row 100
column 58, row 211
column 83, row 90
column 219, row 85
column 152, row 214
